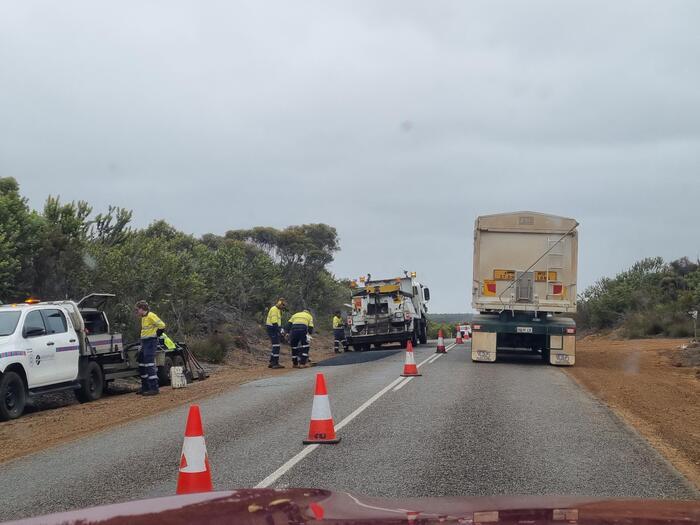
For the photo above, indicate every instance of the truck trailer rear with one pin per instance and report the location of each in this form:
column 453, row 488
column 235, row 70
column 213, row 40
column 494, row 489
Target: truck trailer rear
column 524, row 286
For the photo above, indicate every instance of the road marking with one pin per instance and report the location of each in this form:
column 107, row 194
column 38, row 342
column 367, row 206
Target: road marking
column 401, row 384
column 277, row 474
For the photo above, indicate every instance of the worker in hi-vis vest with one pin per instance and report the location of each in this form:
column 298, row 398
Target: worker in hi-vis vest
column 338, row 331
column 151, row 329
column 274, row 326
column 300, row 325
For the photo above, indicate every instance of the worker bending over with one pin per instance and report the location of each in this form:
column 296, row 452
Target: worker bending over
column 300, row 325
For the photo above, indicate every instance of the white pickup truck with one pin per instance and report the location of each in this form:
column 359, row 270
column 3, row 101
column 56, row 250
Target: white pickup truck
column 63, row 345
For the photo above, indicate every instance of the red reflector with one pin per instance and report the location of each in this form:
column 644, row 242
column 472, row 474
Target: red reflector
column 571, row 330
column 557, row 289
column 491, row 287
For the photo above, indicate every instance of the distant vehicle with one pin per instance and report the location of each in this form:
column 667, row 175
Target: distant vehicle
column 465, row 330
column 525, row 266
column 62, row 345
column 386, row 311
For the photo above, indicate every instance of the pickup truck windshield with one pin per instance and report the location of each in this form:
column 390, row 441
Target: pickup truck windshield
column 8, row 322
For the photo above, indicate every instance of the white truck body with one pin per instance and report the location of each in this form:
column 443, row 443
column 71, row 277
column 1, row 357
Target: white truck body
column 525, row 269
column 388, row 311
column 525, row 261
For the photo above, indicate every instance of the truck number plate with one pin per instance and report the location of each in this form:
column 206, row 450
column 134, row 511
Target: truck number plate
column 562, row 358
column 524, row 329
column 481, row 354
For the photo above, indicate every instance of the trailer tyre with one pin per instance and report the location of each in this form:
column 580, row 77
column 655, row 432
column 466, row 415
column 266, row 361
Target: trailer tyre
column 13, row 396
column 164, row 371
column 92, row 386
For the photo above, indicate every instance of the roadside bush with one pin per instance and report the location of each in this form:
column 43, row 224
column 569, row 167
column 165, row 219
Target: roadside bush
column 212, row 349
column 650, row 299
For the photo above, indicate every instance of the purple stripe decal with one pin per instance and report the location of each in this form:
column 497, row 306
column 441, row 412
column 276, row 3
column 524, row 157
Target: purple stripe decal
column 67, row 348
column 12, row 354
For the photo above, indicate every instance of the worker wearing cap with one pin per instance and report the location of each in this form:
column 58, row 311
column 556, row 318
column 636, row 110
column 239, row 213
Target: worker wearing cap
column 338, row 331
column 273, row 325
column 300, row 325
column 151, row 328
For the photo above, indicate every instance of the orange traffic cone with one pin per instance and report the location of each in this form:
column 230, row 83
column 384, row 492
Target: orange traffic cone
column 321, row 428
column 195, row 474
column 409, row 368
column 459, row 340
column 441, row 344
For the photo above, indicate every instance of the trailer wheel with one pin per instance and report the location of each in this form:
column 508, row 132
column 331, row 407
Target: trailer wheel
column 92, row 386
column 13, row 396
column 164, row 371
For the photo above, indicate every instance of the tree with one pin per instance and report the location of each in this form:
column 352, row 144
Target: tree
column 20, row 234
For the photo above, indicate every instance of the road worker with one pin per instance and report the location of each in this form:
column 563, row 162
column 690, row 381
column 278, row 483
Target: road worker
column 274, row 325
column 300, row 325
column 338, row 331
column 151, row 329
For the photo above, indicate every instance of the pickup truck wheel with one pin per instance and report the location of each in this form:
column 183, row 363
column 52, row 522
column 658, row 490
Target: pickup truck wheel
column 13, row 396
column 92, row 386
column 164, row 371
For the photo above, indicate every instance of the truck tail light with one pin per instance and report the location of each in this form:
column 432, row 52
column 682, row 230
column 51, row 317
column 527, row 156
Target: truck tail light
column 476, row 327
column 349, row 321
column 571, row 330
column 408, row 316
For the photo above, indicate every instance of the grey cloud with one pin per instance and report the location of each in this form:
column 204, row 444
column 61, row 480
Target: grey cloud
column 223, row 115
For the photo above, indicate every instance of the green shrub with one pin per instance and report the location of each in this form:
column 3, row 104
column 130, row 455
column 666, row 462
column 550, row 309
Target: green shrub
column 212, row 349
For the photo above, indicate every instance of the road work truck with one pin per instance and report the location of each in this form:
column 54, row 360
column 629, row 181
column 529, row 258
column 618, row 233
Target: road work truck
column 63, row 345
column 524, row 284
column 386, row 311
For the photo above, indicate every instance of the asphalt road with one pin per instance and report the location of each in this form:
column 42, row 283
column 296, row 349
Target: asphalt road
column 514, row 427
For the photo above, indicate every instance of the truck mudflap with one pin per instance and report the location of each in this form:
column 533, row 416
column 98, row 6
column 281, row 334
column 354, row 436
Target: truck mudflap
column 484, row 346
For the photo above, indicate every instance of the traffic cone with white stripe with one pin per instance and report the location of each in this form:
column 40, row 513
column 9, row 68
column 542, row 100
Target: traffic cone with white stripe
column 459, row 340
column 441, row 344
column 321, row 428
column 195, row 474
column 409, row 368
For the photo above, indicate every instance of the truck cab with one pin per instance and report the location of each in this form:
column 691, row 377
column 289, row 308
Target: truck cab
column 388, row 311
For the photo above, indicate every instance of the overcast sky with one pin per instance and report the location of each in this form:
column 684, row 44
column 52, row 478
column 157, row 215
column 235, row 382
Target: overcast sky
column 398, row 122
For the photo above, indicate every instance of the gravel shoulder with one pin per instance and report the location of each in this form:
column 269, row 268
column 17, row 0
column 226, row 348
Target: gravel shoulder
column 653, row 386
column 59, row 418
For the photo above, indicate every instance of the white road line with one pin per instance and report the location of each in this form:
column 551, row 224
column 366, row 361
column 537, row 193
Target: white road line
column 277, row 474
column 402, row 384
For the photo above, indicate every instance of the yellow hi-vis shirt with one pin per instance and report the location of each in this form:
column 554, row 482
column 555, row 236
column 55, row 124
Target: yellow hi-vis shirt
column 150, row 324
column 274, row 316
column 302, row 318
column 169, row 343
column 337, row 322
